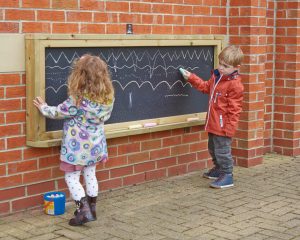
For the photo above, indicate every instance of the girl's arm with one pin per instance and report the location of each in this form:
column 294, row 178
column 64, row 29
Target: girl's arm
column 64, row 110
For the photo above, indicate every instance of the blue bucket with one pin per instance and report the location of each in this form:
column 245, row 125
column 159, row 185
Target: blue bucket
column 54, row 203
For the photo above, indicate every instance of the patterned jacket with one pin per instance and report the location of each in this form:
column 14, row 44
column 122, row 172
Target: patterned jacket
column 225, row 101
column 83, row 141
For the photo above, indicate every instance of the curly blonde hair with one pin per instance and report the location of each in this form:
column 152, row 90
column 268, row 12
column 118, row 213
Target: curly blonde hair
column 90, row 78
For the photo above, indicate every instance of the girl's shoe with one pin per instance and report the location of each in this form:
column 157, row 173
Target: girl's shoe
column 84, row 213
column 224, row 181
column 92, row 202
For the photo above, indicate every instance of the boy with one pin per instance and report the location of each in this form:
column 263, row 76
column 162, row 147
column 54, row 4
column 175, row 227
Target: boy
column 225, row 91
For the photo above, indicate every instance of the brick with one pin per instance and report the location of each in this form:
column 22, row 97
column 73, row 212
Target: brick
column 14, row 92
column 162, row 8
column 160, row 153
column 134, row 179
column 36, row 4
column 53, row 16
column 152, row 19
column 92, row 28
column 191, row 157
column 182, row 30
column 115, row 29
column 41, row 188
column 174, row 20
column 196, row 166
column 171, row 141
column 57, row 173
column 177, row 170
column 11, row 3
column 132, row 18
column 4, row 208
column 23, row 166
column 9, row 27
column 101, row 17
column 16, row 117
column 65, row 28
column 36, row 152
column 182, row 9
column 79, row 16
column 160, row 29
column 10, row 105
column 36, row 176
column 62, row 4
column 120, row 7
column 142, row 29
column 140, row 7
column 116, row 161
column 144, row 167
column 16, row 14
column 28, row 202
column 179, row 150
column 111, row 184
column 36, row 27
column 92, row 5
column 102, row 175
column 129, row 148
column 156, row 174
column 153, row 144
column 3, row 170
column 49, row 161
column 10, row 181
column 2, row 118
column 166, row 162
column 138, row 157
column 10, row 156
column 8, row 194
column 119, row 172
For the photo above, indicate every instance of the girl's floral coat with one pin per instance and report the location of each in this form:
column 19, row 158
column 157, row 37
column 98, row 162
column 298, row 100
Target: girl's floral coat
column 83, row 141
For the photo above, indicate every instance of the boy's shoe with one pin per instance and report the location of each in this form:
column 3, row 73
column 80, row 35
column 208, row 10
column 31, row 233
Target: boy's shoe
column 213, row 173
column 224, row 181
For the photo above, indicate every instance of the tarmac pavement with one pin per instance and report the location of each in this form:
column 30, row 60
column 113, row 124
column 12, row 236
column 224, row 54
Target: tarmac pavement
column 264, row 204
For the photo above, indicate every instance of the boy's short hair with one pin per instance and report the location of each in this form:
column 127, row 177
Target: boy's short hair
column 232, row 55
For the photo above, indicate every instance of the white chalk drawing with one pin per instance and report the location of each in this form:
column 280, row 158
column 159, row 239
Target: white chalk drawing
column 154, row 65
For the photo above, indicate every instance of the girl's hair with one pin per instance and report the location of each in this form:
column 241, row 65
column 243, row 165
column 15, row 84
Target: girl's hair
column 232, row 55
column 90, row 78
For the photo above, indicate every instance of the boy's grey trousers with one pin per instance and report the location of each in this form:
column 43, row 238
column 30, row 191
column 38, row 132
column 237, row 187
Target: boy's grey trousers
column 219, row 148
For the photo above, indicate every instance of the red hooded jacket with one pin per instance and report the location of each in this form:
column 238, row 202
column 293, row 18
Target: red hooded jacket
column 225, row 101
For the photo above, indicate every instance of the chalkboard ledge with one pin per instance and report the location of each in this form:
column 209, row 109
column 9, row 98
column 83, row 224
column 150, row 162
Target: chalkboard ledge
column 123, row 132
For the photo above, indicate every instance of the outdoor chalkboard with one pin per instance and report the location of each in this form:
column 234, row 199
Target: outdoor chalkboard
column 146, row 79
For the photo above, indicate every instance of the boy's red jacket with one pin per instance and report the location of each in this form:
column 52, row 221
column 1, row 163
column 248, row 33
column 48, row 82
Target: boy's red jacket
column 225, row 101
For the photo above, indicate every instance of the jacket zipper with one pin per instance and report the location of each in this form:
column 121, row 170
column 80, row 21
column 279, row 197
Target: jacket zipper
column 211, row 100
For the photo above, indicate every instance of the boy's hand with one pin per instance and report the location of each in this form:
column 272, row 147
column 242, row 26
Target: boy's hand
column 39, row 103
column 186, row 74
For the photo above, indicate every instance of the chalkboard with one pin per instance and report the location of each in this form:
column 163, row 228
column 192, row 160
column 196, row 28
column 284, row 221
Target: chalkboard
column 146, row 79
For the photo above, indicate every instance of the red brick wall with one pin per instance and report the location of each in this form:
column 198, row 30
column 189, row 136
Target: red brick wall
column 26, row 173
column 287, row 79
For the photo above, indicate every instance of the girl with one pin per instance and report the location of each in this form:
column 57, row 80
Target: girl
column 89, row 105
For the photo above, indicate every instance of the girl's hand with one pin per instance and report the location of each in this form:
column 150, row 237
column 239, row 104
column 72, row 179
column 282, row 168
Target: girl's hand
column 186, row 74
column 39, row 103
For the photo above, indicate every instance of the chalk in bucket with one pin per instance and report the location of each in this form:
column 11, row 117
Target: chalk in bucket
column 54, row 203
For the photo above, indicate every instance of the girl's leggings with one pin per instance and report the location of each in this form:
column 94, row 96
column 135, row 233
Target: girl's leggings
column 75, row 187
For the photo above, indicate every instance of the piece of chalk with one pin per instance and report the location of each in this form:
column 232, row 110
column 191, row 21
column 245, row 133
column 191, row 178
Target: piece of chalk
column 152, row 124
column 182, row 71
column 192, row 119
column 135, row 126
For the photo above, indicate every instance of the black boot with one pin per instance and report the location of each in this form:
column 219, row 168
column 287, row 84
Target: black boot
column 84, row 213
column 92, row 201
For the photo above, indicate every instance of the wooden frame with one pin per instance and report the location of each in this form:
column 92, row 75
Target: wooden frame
column 35, row 83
